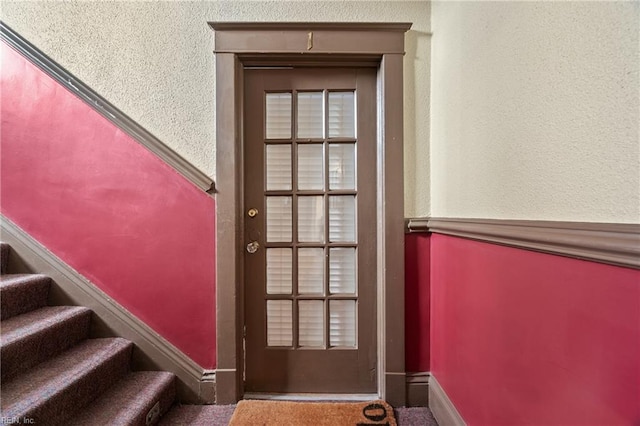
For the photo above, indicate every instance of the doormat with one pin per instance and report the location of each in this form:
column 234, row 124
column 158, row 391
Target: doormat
column 288, row 413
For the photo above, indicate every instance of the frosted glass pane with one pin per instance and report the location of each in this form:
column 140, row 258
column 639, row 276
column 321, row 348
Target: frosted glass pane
column 310, row 166
column 311, row 219
column 279, row 270
column 342, row 323
column 279, row 323
column 311, row 323
column 342, row 115
column 342, row 218
column 278, row 167
column 342, row 166
column 342, row 270
column 278, row 115
column 310, row 115
column 279, row 221
column 310, row 270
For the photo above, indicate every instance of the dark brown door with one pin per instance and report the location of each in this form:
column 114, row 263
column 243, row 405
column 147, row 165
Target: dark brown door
column 310, row 230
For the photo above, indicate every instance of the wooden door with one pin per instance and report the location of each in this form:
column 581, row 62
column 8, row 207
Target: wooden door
column 310, row 230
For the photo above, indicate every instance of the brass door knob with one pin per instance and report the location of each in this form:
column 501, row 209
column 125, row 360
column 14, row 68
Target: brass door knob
column 253, row 212
column 253, row 247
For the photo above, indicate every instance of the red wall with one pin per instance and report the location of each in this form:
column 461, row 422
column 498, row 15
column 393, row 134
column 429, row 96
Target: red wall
column 519, row 337
column 417, row 275
column 108, row 207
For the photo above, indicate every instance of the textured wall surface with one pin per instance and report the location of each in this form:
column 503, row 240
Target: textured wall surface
column 535, row 110
column 154, row 61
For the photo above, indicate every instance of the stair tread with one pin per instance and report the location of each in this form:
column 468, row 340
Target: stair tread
column 45, row 380
column 34, row 322
column 20, row 293
column 128, row 401
column 8, row 280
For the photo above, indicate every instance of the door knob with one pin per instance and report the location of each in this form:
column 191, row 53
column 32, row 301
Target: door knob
column 253, row 212
column 253, row 247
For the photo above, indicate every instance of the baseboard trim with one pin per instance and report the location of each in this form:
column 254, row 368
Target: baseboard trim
column 152, row 351
column 441, row 406
column 611, row 243
column 418, row 389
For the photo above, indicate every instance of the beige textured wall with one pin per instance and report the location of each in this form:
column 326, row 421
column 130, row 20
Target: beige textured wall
column 154, row 61
column 535, row 110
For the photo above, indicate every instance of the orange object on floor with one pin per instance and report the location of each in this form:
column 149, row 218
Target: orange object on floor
column 287, row 413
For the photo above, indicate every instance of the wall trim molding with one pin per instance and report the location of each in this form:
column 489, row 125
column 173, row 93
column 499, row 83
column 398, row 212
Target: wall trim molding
column 310, row 38
column 611, row 243
column 314, row 26
column 152, row 351
column 418, row 389
column 106, row 109
column 441, row 406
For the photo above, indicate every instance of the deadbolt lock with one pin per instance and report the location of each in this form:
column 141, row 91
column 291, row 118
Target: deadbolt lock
column 253, row 247
column 253, row 212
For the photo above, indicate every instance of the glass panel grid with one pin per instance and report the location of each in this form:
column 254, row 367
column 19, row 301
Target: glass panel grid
column 317, row 165
column 279, row 323
column 278, row 115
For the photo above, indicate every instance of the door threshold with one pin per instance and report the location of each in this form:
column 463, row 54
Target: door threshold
column 312, row 396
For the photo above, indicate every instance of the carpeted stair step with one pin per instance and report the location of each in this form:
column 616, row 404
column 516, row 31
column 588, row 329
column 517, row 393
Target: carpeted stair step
column 129, row 401
column 20, row 293
column 57, row 389
column 4, row 257
column 35, row 336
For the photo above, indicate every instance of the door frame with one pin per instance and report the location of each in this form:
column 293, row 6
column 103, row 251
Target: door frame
column 241, row 44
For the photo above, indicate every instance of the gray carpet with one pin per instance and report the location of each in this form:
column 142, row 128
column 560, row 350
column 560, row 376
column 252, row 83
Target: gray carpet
column 198, row 415
column 415, row 416
column 208, row 415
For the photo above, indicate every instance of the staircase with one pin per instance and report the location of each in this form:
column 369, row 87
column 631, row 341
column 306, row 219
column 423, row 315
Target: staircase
column 52, row 373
